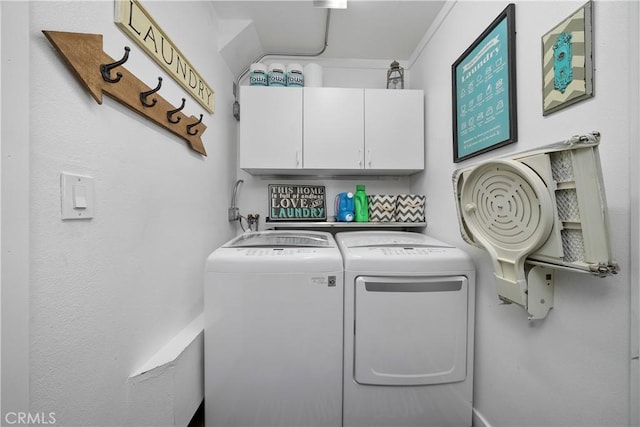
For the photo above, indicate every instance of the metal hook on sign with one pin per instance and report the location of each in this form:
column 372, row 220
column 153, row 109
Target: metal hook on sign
column 105, row 69
column 189, row 127
column 171, row 113
column 145, row 95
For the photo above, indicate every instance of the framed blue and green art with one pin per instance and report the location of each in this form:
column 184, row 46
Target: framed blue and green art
column 484, row 90
column 567, row 61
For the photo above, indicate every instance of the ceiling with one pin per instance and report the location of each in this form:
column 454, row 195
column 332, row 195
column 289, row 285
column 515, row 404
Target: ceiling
column 366, row 29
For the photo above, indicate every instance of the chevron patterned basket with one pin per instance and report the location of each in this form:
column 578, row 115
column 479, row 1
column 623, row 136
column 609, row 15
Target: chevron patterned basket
column 382, row 208
column 410, row 208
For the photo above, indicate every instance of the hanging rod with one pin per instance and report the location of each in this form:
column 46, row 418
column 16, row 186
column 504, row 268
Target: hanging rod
column 236, row 83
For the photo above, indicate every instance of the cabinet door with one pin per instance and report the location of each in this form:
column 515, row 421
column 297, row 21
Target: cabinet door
column 394, row 129
column 333, row 128
column 270, row 127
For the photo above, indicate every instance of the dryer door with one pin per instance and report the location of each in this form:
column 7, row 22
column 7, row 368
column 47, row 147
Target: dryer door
column 410, row 331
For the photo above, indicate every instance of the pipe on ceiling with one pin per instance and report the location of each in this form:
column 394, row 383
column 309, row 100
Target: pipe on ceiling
column 236, row 83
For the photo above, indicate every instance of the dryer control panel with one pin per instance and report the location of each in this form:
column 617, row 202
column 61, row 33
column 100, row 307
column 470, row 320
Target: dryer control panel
column 409, row 251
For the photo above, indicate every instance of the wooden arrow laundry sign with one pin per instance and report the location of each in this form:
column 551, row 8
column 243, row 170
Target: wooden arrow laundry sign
column 98, row 73
column 137, row 23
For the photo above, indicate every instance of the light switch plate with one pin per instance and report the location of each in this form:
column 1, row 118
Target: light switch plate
column 76, row 196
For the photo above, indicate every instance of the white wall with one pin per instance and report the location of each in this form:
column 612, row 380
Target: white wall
column 106, row 294
column 634, row 158
column 571, row 368
column 634, row 199
column 1, row 245
column 15, row 206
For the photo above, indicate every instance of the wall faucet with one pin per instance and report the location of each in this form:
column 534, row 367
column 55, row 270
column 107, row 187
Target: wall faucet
column 253, row 221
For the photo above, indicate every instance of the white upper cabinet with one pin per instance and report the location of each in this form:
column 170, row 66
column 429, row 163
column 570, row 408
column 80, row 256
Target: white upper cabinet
column 331, row 130
column 270, row 128
column 394, row 129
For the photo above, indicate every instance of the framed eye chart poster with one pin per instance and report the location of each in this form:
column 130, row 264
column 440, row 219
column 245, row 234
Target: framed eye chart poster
column 484, row 90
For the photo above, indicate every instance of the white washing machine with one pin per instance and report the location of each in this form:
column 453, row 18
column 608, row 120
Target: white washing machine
column 273, row 331
column 408, row 330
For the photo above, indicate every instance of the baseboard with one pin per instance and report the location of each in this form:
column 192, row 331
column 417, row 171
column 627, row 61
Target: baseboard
column 168, row 354
column 168, row 389
column 478, row 420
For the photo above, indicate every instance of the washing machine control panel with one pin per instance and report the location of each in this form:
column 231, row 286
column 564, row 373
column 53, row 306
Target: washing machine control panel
column 274, row 252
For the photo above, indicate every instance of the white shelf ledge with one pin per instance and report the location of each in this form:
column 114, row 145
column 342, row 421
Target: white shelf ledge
column 274, row 225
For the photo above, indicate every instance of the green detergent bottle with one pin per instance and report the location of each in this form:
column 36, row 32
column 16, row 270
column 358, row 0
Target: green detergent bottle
column 361, row 204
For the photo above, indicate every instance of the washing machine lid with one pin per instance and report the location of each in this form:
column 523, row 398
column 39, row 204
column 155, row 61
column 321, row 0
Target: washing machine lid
column 283, row 238
column 388, row 239
column 278, row 252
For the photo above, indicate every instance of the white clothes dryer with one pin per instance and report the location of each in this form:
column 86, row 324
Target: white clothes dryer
column 408, row 331
column 273, row 331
